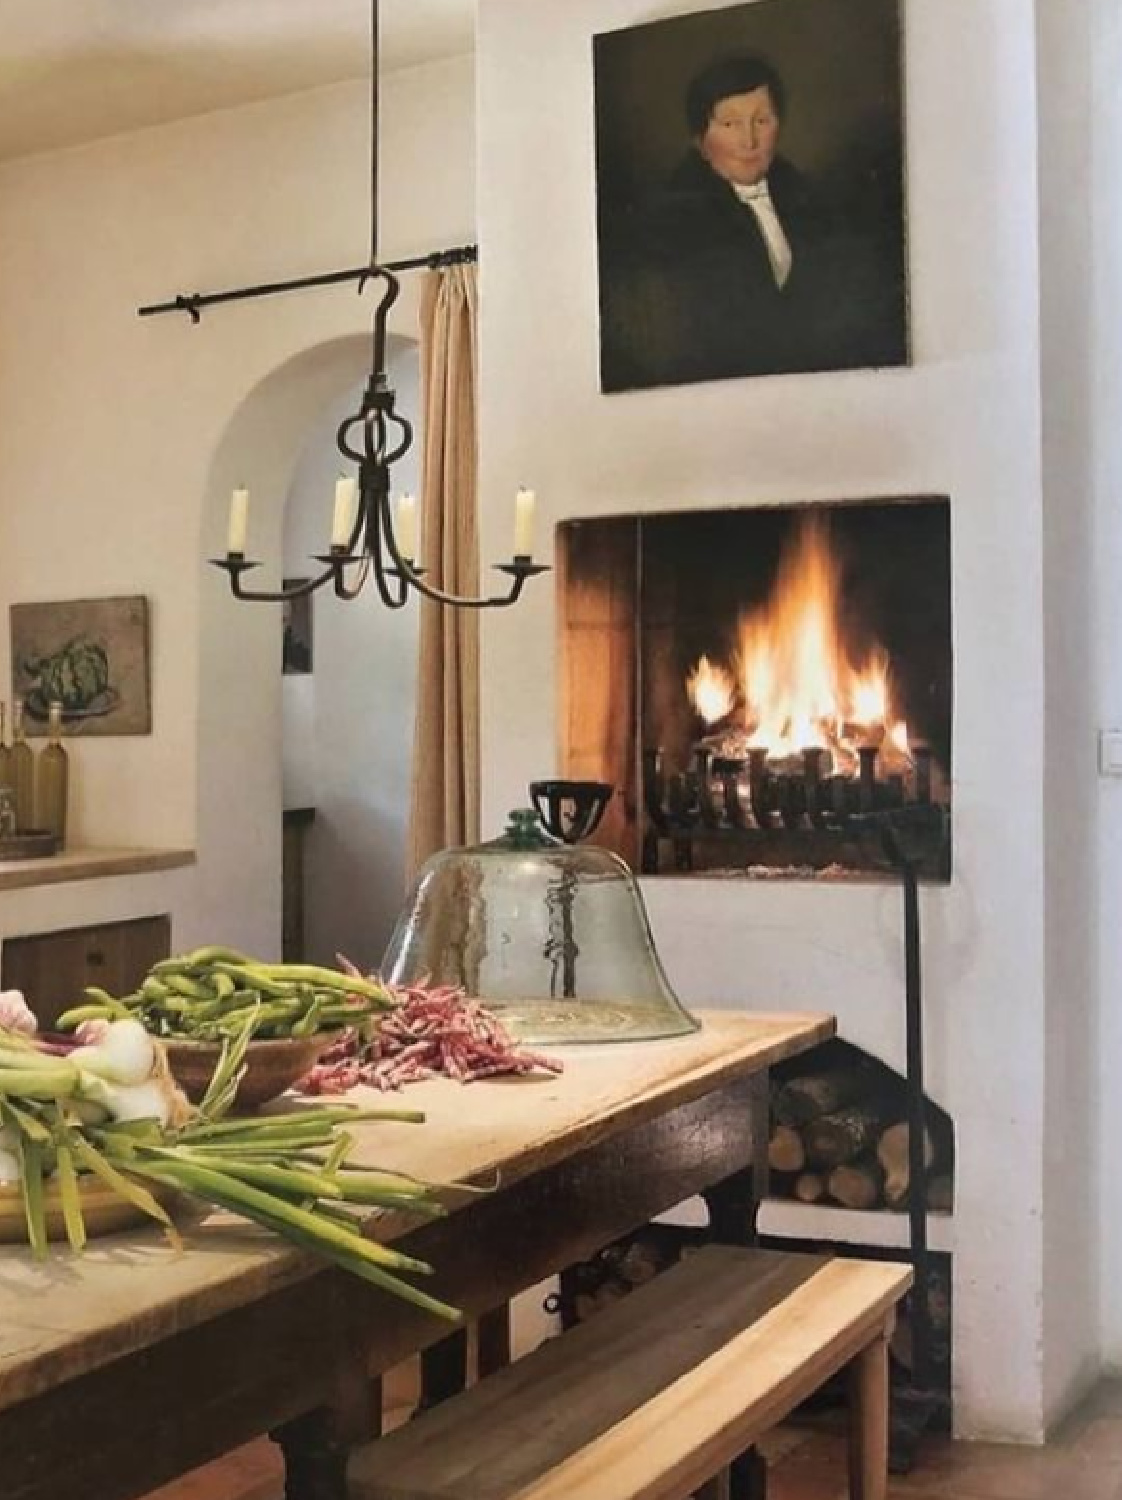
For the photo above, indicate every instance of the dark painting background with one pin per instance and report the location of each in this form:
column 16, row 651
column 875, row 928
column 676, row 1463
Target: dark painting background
column 841, row 62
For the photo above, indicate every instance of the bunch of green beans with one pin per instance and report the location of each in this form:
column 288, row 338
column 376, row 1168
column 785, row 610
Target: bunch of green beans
column 208, row 994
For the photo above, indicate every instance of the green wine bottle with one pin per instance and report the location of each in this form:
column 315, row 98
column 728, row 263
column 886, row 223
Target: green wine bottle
column 5, row 749
column 23, row 771
column 53, row 779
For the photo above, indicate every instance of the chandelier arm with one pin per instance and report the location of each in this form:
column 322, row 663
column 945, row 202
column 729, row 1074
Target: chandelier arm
column 349, row 591
column 234, row 567
column 518, row 572
column 393, row 597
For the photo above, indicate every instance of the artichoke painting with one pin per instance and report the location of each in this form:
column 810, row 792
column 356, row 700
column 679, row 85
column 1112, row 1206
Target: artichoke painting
column 89, row 654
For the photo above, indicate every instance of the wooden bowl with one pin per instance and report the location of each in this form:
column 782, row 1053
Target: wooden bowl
column 103, row 1212
column 271, row 1066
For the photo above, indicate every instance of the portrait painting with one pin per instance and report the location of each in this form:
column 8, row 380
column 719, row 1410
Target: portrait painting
column 91, row 655
column 750, row 167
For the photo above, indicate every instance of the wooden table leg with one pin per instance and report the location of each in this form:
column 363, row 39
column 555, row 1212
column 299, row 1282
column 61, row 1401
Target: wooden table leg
column 734, row 1204
column 493, row 1341
column 315, row 1461
column 444, row 1369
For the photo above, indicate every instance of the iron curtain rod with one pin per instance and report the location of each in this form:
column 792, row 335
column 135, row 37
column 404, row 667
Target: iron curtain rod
column 192, row 303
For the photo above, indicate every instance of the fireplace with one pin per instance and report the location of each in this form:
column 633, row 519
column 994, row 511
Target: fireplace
column 756, row 682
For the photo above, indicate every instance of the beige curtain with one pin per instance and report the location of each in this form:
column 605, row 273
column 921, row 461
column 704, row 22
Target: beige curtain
column 445, row 801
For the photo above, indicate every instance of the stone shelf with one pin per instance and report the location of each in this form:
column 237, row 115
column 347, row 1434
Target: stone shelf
column 813, row 1221
column 787, row 1219
column 89, row 864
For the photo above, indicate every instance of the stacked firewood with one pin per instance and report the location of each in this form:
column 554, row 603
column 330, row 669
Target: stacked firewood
column 841, row 1136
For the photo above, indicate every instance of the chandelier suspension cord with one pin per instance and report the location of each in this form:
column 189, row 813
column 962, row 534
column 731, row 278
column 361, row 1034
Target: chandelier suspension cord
column 375, row 134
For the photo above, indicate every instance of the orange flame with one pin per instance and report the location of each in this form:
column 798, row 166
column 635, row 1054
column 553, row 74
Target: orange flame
column 799, row 683
column 712, row 691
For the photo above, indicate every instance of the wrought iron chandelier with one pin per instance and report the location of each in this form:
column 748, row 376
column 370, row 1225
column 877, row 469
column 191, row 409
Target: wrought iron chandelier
column 367, row 539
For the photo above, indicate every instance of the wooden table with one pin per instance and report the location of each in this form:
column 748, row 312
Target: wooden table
column 133, row 1363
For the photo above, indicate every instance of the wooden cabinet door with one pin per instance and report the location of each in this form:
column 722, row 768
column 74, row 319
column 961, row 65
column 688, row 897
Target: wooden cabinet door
column 53, row 968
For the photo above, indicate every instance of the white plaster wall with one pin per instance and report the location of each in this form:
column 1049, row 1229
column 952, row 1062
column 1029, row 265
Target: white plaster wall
column 350, row 722
column 123, row 437
column 964, row 421
column 1068, row 39
column 1101, row 267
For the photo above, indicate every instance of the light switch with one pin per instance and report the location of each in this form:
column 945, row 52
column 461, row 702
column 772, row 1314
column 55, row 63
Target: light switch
column 1110, row 752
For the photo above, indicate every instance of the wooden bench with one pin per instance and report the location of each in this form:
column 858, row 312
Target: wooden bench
column 655, row 1396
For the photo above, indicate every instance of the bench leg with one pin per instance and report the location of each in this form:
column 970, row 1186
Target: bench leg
column 868, row 1422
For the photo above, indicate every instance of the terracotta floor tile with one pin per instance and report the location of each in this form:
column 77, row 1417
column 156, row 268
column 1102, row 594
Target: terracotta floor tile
column 808, row 1461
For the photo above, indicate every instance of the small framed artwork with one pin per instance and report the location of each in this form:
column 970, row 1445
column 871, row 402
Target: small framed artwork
column 92, row 655
column 750, row 193
column 297, row 651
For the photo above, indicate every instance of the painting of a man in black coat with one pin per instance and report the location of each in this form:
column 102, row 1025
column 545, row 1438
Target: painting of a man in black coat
column 735, row 259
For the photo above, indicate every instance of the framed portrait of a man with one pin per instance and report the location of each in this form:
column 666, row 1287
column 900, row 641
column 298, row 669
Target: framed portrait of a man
column 750, row 193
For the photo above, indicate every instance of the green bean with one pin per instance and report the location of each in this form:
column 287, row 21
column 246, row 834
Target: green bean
column 331, row 979
column 253, row 978
column 191, row 989
column 79, row 1013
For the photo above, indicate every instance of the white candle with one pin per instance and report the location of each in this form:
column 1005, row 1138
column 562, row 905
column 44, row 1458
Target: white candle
column 343, row 520
column 238, row 527
column 405, row 526
column 524, row 523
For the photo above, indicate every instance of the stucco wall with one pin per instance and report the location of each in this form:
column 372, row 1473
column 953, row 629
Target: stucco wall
column 124, row 436
column 965, row 421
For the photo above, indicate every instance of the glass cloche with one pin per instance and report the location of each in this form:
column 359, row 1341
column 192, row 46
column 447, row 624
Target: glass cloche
column 554, row 938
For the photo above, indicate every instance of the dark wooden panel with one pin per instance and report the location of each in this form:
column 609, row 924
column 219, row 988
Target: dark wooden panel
column 53, row 968
column 597, row 584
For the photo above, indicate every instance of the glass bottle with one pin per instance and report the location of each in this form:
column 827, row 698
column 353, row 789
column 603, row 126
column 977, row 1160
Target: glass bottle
column 52, row 779
column 5, row 749
column 23, row 770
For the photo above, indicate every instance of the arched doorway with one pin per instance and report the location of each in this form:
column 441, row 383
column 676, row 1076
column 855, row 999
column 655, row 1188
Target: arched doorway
column 279, row 442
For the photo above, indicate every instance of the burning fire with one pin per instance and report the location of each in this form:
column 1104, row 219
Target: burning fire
column 793, row 683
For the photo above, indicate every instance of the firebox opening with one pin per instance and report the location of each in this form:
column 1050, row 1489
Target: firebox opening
column 757, row 682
